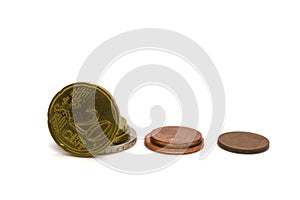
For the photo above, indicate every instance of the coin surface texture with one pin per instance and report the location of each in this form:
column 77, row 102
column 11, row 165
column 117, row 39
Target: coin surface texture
column 83, row 119
column 174, row 140
column 243, row 142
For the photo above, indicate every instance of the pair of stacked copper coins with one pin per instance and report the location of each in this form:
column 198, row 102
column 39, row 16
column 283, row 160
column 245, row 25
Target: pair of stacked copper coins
column 174, row 140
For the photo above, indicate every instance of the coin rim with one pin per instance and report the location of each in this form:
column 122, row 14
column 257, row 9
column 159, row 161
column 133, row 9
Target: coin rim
column 244, row 151
column 85, row 153
column 176, row 145
column 121, row 138
column 173, row 151
column 116, row 148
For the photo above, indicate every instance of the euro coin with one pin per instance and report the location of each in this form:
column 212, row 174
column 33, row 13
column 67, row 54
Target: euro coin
column 243, row 142
column 174, row 140
column 83, row 119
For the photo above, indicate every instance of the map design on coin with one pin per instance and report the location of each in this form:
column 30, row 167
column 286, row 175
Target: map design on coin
column 83, row 119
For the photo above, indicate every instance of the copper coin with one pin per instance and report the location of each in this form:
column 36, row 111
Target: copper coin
column 243, row 142
column 175, row 151
column 174, row 140
column 175, row 137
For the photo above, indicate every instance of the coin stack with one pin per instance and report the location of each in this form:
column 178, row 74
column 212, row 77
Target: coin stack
column 84, row 120
column 124, row 139
column 174, row 140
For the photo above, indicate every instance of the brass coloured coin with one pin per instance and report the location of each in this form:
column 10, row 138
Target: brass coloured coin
column 123, row 137
column 83, row 119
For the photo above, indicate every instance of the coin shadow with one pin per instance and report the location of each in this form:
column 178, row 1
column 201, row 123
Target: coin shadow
column 61, row 152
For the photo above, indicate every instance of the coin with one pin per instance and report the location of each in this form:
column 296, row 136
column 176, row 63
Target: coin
column 123, row 126
column 123, row 123
column 175, row 151
column 175, row 137
column 123, row 132
column 120, row 138
column 83, row 119
column 243, row 142
column 174, row 140
column 123, row 146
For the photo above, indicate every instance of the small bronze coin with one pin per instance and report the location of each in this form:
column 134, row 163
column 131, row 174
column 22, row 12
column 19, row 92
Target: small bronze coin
column 174, row 140
column 243, row 142
column 175, row 137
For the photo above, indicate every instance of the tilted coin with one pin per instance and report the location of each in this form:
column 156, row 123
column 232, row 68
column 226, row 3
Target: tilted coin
column 174, row 140
column 120, row 138
column 123, row 126
column 123, row 146
column 123, row 123
column 243, row 142
column 83, row 119
column 123, row 132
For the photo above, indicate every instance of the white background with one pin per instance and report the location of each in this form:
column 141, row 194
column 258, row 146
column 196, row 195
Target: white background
column 255, row 46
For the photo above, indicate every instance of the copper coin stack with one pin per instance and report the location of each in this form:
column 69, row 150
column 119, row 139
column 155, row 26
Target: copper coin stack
column 174, row 140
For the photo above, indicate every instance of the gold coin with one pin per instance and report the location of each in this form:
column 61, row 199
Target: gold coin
column 120, row 138
column 83, row 119
column 123, row 124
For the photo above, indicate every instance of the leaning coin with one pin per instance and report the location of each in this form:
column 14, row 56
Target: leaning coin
column 243, row 142
column 123, row 146
column 83, row 119
column 123, row 123
column 120, row 138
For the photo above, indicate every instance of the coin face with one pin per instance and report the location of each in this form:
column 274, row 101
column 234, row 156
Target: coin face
column 243, row 142
column 83, row 119
column 176, row 137
column 174, row 140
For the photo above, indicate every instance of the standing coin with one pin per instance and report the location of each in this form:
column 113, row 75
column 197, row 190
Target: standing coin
column 83, row 119
column 243, row 142
column 122, row 124
column 120, row 138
